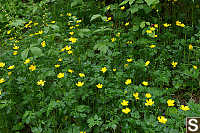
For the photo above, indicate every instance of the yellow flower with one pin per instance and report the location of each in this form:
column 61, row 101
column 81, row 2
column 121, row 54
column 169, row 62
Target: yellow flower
column 104, row 69
column 73, row 40
column 185, row 108
column 147, row 63
column 124, row 103
column 69, row 14
column 156, row 25
column 126, row 110
column 166, row 25
column 190, row 47
column 71, row 33
column 41, row 82
column 15, row 52
column 35, row 24
column 8, row 32
column 152, row 46
column 78, row 21
column 9, row 73
column 114, row 69
column 178, row 23
column 148, row 95
column 125, row 65
column 59, row 59
column 155, row 36
column 162, row 119
column 32, row 67
column 40, row 32
column 71, row 27
column 11, row 67
column 148, row 31
column 174, row 64
column 182, row 25
column 149, row 102
column 108, row 7
column 113, row 39
column 2, row 64
column 69, row 52
column 79, row 84
column 127, row 23
column 81, row 74
column 170, row 102
column 67, row 47
column 57, row 65
column 0, row 92
column 43, row 43
column 27, row 61
column 2, row 80
column 118, row 34
column 82, row 132
column 128, row 81
column 195, row 67
column 152, row 29
column 136, row 94
column 99, row 85
column 122, row 8
column 53, row 22
column 145, row 83
column 70, row 71
column 129, row 60
column 108, row 19
column 16, row 47
column 60, row 75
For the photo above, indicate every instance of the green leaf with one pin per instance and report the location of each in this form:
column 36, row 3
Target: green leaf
column 95, row 17
column 24, row 54
column 142, row 24
column 124, row 2
column 131, row 2
column 36, row 51
column 18, row 22
column 76, row 2
column 151, row 2
column 83, row 32
column 134, row 9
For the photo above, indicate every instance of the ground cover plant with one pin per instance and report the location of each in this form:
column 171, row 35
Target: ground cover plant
column 77, row 66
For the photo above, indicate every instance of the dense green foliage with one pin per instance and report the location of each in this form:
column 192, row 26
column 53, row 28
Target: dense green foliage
column 76, row 66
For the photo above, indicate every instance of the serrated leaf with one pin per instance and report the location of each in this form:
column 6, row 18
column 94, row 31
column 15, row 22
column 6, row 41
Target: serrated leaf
column 36, row 51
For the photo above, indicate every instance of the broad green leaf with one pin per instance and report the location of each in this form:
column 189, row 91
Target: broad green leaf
column 134, row 9
column 95, row 17
column 24, row 54
column 55, row 27
column 142, row 24
column 151, row 2
column 36, row 51
column 124, row 2
column 131, row 2
column 18, row 22
column 76, row 2
column 135, row 28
